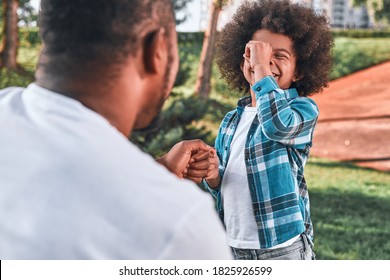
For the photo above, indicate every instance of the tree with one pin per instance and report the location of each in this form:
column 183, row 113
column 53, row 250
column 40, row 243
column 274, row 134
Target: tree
column 203, row 85
column 384, row 13
column 377, row 9
column 13, row 12
column 10, row 34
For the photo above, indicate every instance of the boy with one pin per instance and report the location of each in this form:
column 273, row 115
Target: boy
column 280, row 53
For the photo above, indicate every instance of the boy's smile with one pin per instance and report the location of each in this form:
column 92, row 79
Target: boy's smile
column 282, row 61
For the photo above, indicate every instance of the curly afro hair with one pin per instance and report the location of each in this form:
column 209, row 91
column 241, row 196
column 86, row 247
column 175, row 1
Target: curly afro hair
column 310, row 33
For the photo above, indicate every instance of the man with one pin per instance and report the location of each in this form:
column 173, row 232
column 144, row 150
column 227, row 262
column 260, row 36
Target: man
column 71, row 185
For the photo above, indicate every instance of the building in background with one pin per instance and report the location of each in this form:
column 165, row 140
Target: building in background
column 342, row 13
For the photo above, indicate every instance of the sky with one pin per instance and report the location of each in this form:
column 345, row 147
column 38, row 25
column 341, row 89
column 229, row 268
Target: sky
column 195, row 13
column 35, row 3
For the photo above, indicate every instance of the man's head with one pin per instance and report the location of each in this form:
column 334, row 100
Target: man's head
column 309, row 32
column 92, row 48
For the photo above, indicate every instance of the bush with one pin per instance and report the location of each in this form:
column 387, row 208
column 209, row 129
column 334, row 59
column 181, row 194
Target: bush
column 362, row 33
column 353, row 54
column 190, row 45
column 29, row 36
column 12, row 79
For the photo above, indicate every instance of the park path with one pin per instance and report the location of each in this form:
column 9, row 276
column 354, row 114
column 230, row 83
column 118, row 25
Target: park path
column 354, row 122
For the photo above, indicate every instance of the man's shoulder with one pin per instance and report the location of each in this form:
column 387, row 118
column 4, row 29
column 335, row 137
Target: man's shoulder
column 9, row 92
column 130, row 169
column 11, row 89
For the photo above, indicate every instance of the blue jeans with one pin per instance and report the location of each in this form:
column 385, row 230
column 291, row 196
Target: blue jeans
column 302, row 249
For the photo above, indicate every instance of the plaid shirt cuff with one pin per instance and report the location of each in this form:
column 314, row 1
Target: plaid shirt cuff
column 264, row 86
column 214, row 192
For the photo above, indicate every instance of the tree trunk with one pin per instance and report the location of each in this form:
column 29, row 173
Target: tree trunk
column 203, row 86
column 10, row 34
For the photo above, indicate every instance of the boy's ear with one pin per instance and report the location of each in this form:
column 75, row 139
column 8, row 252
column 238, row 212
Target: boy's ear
column 297, row 77
column 242, row 65
column 155, row 51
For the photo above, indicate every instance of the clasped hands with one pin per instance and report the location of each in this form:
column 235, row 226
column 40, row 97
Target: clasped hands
column 192, row 159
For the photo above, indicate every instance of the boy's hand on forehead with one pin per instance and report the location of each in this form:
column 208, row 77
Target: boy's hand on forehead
column 258, row 54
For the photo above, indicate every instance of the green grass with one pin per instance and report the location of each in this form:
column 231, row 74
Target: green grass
column 352, row 54
column 350, row 208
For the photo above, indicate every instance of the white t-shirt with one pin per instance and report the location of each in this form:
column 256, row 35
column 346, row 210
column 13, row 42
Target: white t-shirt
column 241, row 227
column 73, row 187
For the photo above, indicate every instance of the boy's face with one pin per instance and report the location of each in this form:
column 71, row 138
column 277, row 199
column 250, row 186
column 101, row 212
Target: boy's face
column 282, row 62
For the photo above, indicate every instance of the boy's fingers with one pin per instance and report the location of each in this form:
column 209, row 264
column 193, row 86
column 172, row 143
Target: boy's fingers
column 194, row 179
column 202, row 155
column 197, row 145
column 210, row 169
column 197, row 173
column 200, row 165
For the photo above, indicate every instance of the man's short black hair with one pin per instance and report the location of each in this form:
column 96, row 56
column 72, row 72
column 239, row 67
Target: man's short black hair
column 85, row 36
column 310, row 33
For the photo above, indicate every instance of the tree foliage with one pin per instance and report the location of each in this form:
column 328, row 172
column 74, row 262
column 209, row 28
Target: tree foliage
column 380, row 9
column 27, row 14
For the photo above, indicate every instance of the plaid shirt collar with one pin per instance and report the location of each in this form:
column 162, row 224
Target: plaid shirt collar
column 290, row 93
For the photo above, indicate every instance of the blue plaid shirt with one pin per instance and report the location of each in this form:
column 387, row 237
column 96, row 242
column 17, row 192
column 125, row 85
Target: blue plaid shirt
column 276, row 150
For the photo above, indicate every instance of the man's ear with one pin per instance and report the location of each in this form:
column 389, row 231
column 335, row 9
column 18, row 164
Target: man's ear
column 155, row 51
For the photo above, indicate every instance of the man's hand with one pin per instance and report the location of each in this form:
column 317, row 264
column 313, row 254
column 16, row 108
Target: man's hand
column 178, row 159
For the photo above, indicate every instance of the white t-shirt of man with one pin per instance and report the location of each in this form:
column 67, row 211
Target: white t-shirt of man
column 241, row 227
column 73, row 187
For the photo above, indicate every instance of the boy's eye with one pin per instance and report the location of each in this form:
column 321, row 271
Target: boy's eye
column 280, row 56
